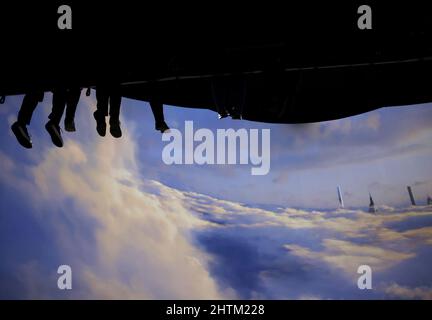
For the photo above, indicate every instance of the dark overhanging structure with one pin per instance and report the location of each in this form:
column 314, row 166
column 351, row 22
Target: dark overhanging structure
column 299, row 64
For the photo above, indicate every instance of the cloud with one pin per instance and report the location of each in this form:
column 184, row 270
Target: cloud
column 348, row 256
column 352, row 223
column 373, row 121
column 402, row 292
column 376, row 135
column 325, row 247
column 421, row 183
column 420, row 234
column 125, row 237
column 7, row 165
column 309, row 297
column 130, row 236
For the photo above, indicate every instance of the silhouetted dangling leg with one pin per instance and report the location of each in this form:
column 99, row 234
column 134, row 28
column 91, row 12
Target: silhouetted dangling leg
column 158, row 114
column 219, row 94
column 28, row 106
column 53, row 125
column 72, row 100
column 101, row 112
column 19, row 128
column 115, row 103
column 58, row 105
column 236, row 97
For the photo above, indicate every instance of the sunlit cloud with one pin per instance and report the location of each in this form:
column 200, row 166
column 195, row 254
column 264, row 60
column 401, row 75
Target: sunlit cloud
column 402, row 292
column 136, row 243
column 348, row 256
column 128, row 234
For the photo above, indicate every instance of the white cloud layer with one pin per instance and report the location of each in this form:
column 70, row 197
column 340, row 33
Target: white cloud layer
column 402, row 292
column 123, row 236
column 129, row 237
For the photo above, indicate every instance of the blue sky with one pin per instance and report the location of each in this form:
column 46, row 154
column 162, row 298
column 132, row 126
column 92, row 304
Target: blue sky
column 132, row 227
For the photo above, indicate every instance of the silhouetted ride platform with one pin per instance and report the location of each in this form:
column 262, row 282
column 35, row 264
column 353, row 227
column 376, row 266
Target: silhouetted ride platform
column 298, row 64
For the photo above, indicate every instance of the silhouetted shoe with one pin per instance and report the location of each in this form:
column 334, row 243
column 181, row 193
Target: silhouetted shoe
column 100, row 124
column 235, row 114
column 22, row 135
column 69, row 125
column 115, row 129
column 223, row 115
column 55, row 133
column 162, row 127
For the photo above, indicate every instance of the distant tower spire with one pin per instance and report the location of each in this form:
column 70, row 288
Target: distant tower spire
column 372, row 208
column 341, row 203
column 411, row 196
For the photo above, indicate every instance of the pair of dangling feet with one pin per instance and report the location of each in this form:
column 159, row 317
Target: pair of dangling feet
column 226, row 115
column 24, row 138
column 22, row 135
column 101, row 125
column 115, row 128
column 234, row 113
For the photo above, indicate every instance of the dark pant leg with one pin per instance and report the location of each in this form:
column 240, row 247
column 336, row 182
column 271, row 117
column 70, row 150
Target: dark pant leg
column 28, row 106
column 115, row 103
column 102, row 96
column 220, row 94
column 58, row 105
column 237, row 96
column 157, row 109
column 72, row 100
